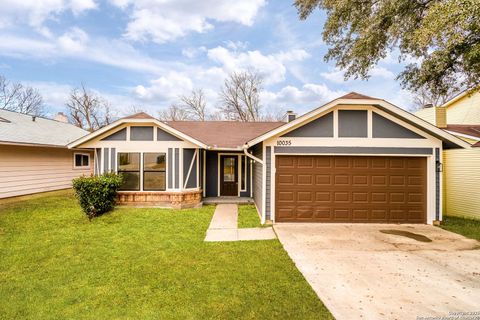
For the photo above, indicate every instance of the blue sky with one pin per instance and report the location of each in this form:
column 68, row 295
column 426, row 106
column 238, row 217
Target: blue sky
column 146, row 53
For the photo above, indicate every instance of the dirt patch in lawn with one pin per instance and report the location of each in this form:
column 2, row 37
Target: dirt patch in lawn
column 411, row 235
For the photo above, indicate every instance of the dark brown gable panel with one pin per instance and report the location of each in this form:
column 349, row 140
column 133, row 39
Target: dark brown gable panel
column 120, row 135
column 165, row 136
column 141, row 133
column 321, row 127
column 352, row 123
column 385, row 128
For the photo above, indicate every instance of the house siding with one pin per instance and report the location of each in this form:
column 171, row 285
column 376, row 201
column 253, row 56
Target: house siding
column 26, row 170
column 268, row 185
column 465, row 110
column 212, row 174
column 461, row 177
column 257, row 177
column 188, row 155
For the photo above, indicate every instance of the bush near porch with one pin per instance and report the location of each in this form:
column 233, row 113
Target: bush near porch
column 139, row 264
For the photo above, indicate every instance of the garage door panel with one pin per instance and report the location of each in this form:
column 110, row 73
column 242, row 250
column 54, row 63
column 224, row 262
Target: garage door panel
column 305, row 196
column 351, row 189
column 360, row 197
column 323, row 179
column 323, row 162
column 323, row 213
column 360, row 214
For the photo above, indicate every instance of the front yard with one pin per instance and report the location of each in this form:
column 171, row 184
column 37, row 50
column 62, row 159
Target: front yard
column 139, row 264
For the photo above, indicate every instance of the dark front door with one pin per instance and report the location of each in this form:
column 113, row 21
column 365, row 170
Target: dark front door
column 228, row 175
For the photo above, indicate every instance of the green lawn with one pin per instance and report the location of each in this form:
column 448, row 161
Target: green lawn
column 248, row 217
column 467, row 227
column 139, row 264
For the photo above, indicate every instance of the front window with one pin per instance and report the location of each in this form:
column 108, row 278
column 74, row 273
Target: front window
column 81, row 160
column 129, row 167
column 154, row 176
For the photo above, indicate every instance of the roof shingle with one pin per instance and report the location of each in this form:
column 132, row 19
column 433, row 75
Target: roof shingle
column 467, row 129
column 20, row 128
column 355, row 95
column 223, row 134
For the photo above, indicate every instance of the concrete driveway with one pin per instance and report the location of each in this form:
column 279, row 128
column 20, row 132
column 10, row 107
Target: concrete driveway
column 366, row 271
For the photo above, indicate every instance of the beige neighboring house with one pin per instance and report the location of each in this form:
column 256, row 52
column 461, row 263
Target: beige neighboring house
column 34, row 156
column 461, row 167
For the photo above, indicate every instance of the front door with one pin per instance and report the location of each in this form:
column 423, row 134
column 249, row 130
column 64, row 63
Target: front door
column 228, row 175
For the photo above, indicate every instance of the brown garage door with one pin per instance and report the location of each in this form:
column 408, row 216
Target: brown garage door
column 350, row 189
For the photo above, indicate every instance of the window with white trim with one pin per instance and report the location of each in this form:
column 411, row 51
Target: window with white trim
column 128, row 165
column 81, row 160
column 154, row 171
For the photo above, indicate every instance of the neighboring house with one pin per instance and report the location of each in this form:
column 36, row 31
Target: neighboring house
column 461, row 170
column 34, row 156
column 354, row 159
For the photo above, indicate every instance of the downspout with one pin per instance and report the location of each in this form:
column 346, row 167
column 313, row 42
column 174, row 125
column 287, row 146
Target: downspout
column 251, row 156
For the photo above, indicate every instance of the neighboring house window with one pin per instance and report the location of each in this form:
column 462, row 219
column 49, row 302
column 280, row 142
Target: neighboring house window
column 243, row 175
column 154, row 171
column 129, row 167
column 81, row 160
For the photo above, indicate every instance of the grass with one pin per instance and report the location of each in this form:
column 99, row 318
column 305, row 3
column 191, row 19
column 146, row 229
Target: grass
column 469, row 228
column 139, row 264
column 248, row 217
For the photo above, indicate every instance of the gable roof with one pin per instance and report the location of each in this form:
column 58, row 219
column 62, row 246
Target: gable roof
column 355, row 95
column 19, row 128
column 140, row 117
column 449, row 140
column 224, row 134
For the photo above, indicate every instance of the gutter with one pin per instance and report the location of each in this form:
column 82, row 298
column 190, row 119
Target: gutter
column 251, row 156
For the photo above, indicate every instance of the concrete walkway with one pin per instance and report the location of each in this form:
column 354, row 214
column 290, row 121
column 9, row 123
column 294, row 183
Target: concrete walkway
column 223, row 227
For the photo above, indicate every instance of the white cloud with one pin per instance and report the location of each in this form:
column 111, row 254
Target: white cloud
column 193, row 52
column 302, row 99
column 35, row 12
column 382, row 72
column 76, row 44
column 73, row 41
column 337, row 76
column 162, row 21
column 167, row 87
column 272, row 67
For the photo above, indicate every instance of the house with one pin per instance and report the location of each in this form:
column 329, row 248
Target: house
column 34, row 156
column 354, row 159
column 461, row 167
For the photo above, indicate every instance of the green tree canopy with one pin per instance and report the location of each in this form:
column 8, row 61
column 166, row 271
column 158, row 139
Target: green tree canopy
column 442, row 37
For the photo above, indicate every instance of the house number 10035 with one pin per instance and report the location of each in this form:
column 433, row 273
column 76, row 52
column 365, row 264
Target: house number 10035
column 284, row 143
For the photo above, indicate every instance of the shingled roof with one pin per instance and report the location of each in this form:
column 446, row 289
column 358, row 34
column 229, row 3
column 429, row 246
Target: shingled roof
column 19, row 128
column 223, row 134
column 355, row 95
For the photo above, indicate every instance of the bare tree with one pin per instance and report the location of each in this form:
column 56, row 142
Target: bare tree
column 274, row 115
column 132, row 110
column 15, row 96
column 424, row 96
column 174, row 113
column 239, row 96
column 87, row 110
column 195, row 105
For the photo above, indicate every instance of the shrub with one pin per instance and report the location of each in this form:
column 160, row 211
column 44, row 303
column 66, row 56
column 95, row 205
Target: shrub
column 97, row 194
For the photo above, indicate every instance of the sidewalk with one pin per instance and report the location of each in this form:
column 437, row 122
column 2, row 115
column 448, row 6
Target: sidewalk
column 223, row 227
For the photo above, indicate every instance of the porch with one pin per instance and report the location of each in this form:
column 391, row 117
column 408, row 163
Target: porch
column 227, row 200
